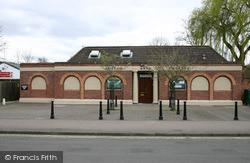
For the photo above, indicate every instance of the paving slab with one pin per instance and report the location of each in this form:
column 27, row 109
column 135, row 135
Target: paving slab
column 147, row 128
column 139, row 119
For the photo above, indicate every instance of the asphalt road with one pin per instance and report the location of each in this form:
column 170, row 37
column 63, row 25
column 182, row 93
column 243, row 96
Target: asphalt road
column 113, row 149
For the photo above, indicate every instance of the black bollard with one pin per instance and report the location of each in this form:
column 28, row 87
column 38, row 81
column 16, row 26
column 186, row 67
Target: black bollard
column 178, row 107
column 100, row 113
column 115, row 100
column 108, row 111
column 121, row 112
column 236, row 111
column 52, row 110
column 160, row 114
column 185, row 111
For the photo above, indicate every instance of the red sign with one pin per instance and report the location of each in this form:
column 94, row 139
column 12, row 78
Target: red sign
column 5, row 74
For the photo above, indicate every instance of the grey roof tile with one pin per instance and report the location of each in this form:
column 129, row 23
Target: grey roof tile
column 143, row 54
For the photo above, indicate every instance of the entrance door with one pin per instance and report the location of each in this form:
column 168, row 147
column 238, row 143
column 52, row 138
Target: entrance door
column 145, row 88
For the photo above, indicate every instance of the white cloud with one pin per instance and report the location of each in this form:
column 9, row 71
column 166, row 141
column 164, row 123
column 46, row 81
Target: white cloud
column 57, row 29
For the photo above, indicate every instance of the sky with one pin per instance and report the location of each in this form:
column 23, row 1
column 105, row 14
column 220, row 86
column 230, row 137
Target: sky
column 58, row 29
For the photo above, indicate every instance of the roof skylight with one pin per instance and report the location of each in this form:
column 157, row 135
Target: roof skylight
column 94, row 54
column 126, row 54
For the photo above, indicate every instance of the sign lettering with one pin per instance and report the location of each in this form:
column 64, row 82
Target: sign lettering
column 6, row 74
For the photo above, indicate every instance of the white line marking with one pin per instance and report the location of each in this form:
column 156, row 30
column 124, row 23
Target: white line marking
column 123, row 137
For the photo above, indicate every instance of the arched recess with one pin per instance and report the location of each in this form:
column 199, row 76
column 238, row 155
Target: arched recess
column 38, row 74
column 226, row 75
column 38, row 83
column 92, row 88
column 30, row 82
column 93, row 75
column 69, row 74
column 92, row 83
column 179, row 93
column 74, row 94
column 71, row 83
column 124, row 82
column 208, row 78
column 118, row 87
column 71, row 88
column 182, row 76
column 233, row 82
column 222, row 83
column 118, row 75
column 200, row 83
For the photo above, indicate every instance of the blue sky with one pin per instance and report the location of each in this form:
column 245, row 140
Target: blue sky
column 57, row 29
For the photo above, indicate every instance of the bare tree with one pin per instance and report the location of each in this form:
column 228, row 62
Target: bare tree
column 2, row 44
column 171, row 65
column 159, row 41
column 18, row 56
column 27, row 56
column 112, row 63
column 42, row 60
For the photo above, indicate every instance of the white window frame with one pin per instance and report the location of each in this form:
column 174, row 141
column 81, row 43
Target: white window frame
column 93, row 54
column 126, row 52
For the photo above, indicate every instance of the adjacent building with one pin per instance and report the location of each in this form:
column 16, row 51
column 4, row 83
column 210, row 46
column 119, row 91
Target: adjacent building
column 9, row 71
column 82, row 80
column 9, row 81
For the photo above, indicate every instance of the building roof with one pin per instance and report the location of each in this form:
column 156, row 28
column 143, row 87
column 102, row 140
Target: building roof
column 12, row 64
column 143, row 54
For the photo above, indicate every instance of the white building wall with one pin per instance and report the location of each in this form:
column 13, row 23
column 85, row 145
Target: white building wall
column 15, row 73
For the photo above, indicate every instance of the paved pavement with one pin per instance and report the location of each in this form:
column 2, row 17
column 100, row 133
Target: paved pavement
column 136, row 112
column 141, row 119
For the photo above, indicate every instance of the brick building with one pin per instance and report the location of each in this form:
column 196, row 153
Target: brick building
column 83, row 80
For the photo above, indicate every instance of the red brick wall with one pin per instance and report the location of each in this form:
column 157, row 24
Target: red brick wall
column 53, row 80
column 128, row 87
column 199, row 95
column 26, row 78
column 181, row 94
column 118, row 93
column 246, row 84
column 53, row 85
column 71, row 94
column 223, row 95
column 92, row 94
column 235, row 94
column 237, row 89
column 163, row 90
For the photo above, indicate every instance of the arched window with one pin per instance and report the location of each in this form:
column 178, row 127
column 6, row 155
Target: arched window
column 71, row 83
column 38, row 83
column 92, row 83
column 199, row 83
column 222, row 83
column 115, row 82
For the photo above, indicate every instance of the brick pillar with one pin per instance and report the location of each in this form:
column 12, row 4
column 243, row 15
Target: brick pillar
column 155, row 88
column 135, row 87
